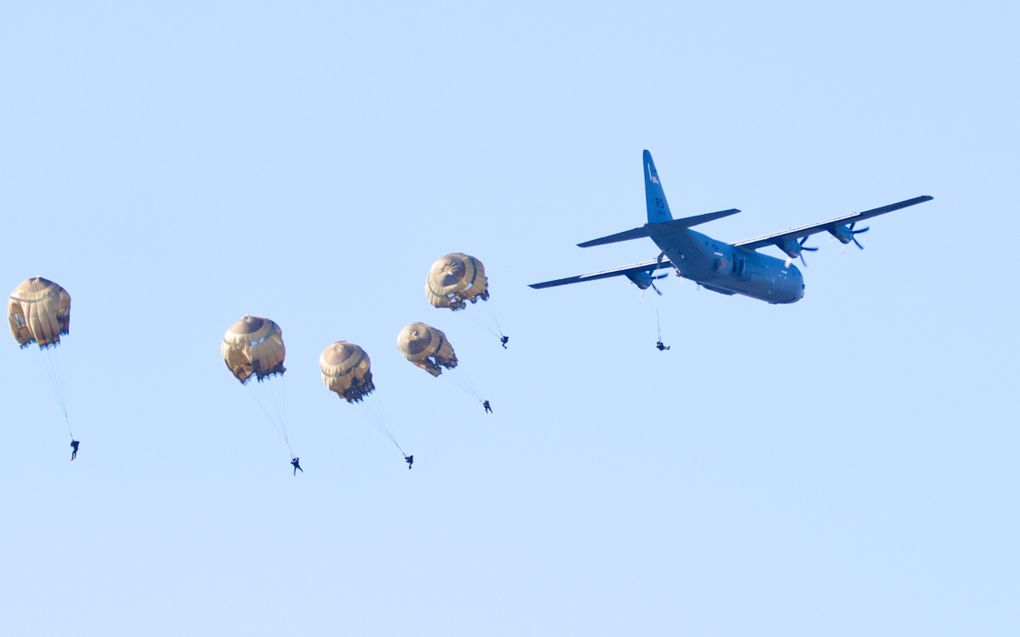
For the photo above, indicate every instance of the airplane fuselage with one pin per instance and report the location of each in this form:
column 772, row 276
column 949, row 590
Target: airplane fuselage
column 724, row 268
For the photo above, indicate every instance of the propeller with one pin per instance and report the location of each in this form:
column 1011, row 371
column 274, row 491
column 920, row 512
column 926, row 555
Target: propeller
column 800, row 252
column 857, row 232
column 652, row 285
column 852, row 234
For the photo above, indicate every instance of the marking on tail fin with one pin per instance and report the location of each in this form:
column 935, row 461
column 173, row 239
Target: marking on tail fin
column 655, row 197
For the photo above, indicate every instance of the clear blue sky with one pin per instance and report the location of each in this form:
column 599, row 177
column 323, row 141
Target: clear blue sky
column 842, row 466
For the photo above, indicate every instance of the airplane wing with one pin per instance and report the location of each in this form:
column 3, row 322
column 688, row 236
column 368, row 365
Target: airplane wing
column 833, row 225
column 625, row 270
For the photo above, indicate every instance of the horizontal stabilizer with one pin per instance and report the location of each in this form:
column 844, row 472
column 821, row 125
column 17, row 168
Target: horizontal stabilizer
column 659, row 229
column 705, row 218
column 648, row 267
column 626, row 235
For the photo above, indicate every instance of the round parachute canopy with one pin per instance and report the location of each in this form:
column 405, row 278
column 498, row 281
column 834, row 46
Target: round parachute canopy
column 39, row 311
column 426, row 347
column 347, row 370
column 454, row 279
column 254, row 346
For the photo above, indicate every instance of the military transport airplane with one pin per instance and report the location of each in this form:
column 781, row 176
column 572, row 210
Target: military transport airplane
column 727, row 268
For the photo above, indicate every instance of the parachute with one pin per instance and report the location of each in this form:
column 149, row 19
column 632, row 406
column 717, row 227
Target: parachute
column 454, row 279
column 426, row 347
column 347, row 370
column 253, row 346
column 457, row 278
column 39, row 311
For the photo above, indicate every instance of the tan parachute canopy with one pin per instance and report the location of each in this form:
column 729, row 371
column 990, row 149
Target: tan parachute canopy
column 253, row 345
column 426, row 347
column 39, row 311
column 454, row 279
column 347, row 370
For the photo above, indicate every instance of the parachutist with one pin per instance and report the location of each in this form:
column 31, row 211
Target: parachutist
column 74, row 448
column 296, row 463
column 409, row 460
column 503, row 340
column 661, row 347
column 488, row 407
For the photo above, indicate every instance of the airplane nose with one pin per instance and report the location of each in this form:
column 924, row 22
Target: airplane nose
column 799, row 278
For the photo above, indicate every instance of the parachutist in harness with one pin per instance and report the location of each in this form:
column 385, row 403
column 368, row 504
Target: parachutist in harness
column 296, row 463
column 74, row 448
column 409, row 460
column 658, row 328
column 503, row 340
column 488, row 407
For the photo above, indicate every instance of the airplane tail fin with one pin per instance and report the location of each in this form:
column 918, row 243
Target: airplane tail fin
column 660, row 220
column 655, row 197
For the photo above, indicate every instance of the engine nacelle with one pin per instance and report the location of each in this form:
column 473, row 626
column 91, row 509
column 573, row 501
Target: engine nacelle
column 843, row 234
column 791, row 247
column 641, row 279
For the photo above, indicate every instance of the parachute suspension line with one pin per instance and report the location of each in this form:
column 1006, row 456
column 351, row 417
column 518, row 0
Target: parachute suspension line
column 471, row 387
column 459, row 378
column 54, row 374
column 375, row 414
column 50, row 369
column 490, row 309
column 658, row 325
column 279, row 389
column 480, row 322
column 273, row 412
column 272, row 420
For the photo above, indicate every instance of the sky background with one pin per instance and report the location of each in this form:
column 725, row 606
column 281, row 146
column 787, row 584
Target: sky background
column 842, row 466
